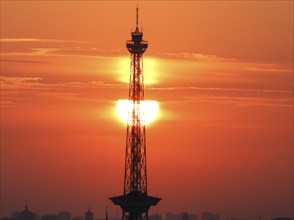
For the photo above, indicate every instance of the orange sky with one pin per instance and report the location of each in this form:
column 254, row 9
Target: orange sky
column 221, row 71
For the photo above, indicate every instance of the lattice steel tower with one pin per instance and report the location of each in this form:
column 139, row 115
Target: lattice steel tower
column 135, row 201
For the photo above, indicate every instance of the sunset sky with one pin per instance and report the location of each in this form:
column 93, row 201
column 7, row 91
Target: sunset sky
column 222, row 72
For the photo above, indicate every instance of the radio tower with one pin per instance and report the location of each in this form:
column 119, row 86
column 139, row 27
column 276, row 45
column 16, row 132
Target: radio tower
column 135, row 201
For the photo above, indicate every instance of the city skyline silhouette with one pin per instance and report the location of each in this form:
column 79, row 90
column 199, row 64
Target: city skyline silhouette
column 27, row 214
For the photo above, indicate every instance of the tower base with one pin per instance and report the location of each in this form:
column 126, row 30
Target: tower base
column 135, row 202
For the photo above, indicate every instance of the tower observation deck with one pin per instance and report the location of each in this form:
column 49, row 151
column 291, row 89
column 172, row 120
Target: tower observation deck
column 135, row 201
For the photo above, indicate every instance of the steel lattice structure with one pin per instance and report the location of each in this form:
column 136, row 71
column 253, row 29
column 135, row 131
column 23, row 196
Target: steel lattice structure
column 135, row 201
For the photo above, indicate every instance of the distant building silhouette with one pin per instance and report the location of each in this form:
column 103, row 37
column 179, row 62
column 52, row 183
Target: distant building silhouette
column 49, row 217
column 89, row 215
column 173, row 216
column 15, row 215
column 26, row 215
column 155, row 217
column 180, row 216
column 281, row 218
column 63, row 216
column 185, row 216
column 210, row 216
column 78, row 217
column 192, row 216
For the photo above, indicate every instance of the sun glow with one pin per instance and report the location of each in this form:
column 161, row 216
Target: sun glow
column 147, row 110
column 150, row 70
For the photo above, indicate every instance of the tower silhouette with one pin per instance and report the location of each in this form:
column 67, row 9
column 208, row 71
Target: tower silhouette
column 89, row 215
column 135, row 201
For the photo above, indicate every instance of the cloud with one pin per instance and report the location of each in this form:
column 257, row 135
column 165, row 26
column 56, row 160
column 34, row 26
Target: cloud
column 27, row 40
column 267, row 68
column 78, row 51
column 216, row 89
column 196, row 56
column 246, row 101
column 232, row 96
column 63, row 51
column 255, row 83
column 89, row 48
column 237, row 125
column 53, row 47
column 246, row 98
column 22, row 61
column 33, row 83
column 17, row 89
column 19, row 82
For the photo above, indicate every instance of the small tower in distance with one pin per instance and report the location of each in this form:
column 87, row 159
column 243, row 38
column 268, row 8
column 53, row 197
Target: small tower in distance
column 106, row 215
column 26, row 214
column 185, row 216
column 89, row 215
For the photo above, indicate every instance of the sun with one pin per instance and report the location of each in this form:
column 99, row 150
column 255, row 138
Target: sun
column 147, row 110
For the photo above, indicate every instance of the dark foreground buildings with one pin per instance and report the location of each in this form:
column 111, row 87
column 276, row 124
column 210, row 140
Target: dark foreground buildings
column 26, row 214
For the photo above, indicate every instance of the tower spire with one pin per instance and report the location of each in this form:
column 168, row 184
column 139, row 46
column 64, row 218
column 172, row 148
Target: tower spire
column 137, row 18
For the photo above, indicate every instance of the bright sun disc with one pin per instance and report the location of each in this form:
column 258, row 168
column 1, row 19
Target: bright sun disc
column 148, row 110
